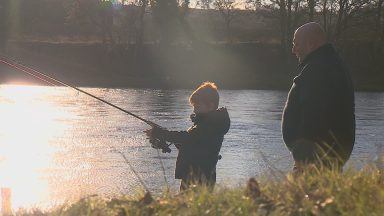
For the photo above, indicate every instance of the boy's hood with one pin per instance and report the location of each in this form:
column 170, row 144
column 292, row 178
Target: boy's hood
column 217, row 120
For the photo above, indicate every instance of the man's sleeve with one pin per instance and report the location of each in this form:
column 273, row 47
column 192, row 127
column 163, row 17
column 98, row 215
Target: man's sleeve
column 314, row 100
column 289, row 117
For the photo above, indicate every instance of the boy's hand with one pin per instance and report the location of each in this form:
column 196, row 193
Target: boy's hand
column 156, row 133
column 155, row 136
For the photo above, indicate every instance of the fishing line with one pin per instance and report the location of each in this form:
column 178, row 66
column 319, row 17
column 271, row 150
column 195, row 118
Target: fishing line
column 43, row 77
column 25, row 71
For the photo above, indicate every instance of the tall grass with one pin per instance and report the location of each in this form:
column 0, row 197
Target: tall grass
column 313, row 192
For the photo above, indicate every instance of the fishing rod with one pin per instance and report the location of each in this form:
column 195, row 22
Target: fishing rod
column 155, row 143
column 42, row 76
column 28, row 70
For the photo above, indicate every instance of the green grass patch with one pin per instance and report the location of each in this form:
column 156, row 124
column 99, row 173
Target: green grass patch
column 314, row 192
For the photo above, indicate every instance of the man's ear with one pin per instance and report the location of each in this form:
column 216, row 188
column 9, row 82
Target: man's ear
column 312, row 45
column 308, row 46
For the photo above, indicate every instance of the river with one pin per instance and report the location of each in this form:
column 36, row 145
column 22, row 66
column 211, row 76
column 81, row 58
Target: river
column 57, row 145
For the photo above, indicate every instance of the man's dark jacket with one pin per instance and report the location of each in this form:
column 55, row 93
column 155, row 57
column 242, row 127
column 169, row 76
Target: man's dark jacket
column 320, row 104
column 200, row 145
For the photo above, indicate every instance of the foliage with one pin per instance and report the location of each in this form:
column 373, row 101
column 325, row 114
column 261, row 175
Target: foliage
column 314, row 192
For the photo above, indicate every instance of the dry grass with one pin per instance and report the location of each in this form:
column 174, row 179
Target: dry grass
column 315, row 192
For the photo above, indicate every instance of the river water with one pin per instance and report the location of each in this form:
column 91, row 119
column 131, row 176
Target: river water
column 57, row 145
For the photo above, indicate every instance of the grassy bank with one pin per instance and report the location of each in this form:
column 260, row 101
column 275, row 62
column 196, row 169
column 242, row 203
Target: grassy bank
column 316, row 192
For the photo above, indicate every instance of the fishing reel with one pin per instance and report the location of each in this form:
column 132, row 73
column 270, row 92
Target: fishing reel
column 160, row 144
column 156, row 140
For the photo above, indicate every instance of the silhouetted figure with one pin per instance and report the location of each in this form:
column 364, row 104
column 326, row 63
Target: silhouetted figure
column 318, row 120
column 200, row 145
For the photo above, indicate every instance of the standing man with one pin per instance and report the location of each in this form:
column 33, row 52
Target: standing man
column 318, row 120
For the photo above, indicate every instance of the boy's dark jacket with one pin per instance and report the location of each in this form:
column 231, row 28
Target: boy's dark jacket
column 200, row 145
column 320, row 104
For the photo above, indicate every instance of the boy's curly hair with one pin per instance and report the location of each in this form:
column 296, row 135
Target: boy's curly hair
column 205, row 93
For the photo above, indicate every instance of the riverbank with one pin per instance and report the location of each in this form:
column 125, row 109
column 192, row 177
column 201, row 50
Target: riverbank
column 316, row 192
column 179, row 66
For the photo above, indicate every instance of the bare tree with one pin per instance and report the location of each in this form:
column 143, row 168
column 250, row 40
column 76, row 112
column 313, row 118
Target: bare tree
column 378, row 40
column 311, row 8
column 164, row 14
column 287, row 12
column 228, row 11
column 132, row 23
column 143, row 4
column 125, row 25
column 283, row 23
column 324, row 11
column 170, row 17
column 182, row 16
column 95, row 12
column 379, row 25
column 382, row 32
column 346, row 10
column 204, row 4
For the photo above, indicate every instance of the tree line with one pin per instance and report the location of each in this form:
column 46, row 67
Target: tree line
column 179, row 37
column 342, row 20
column 130, row 24
column 164, row 20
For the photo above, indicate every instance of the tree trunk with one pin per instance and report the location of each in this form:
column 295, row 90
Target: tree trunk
column 325, row 15
column 296, row 12
column 140, row 34
column 378, row 19
column 289, row 22
column 311, row 7
column 283, row 25
column 330, row 27
column 382, row 36
column 184, row 23
column 340, row 19
column 289, row 13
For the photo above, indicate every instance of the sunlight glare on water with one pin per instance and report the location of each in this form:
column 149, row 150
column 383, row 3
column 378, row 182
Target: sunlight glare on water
column 27, row 126
column 55, row 145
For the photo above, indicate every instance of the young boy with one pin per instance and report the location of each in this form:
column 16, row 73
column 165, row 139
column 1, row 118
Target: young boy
column 200, row 145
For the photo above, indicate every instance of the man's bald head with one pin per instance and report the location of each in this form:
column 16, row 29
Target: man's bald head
column 307, row 39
